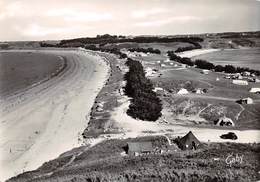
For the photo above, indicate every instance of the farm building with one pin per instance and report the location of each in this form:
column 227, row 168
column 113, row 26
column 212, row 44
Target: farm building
column 183, row 91
column 189, row 142
column 137, row 148
column 247, row 100
column 240, row 82
column 225, row 121
column 254, row 90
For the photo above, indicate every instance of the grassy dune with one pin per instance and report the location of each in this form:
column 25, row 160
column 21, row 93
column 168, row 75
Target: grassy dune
column 104, row 162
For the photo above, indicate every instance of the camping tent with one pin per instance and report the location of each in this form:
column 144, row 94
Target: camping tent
column 183, row 91
column 189, row 142
column 224, row 121
column 247, row 100
column 255, row 90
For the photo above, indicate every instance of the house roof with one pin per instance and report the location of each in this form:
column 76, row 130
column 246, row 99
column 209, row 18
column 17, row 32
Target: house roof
column 139, row 146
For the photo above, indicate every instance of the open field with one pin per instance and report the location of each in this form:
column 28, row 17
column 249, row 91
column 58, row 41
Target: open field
column 44, row 121
column 239, row 58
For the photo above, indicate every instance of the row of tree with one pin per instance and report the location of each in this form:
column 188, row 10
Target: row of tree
column 203, row 64
column 105, row 39
column 148, row 50
column 145, row 104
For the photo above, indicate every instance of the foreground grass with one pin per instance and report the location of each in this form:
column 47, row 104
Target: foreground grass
column 104, row 162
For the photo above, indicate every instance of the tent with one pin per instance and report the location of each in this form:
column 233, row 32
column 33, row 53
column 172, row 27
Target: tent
column 183, row 91
column 247, row 100
column 225, row 121
column 189, row 142
column 255, row 90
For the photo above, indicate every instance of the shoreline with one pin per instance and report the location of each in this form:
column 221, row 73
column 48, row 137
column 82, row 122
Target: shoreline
column 196, row 52
column 67, row 99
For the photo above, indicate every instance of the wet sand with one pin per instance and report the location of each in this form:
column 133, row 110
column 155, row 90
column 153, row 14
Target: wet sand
column 46, row 120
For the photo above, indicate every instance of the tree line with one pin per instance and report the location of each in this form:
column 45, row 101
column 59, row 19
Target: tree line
column 203, row 64
column 145, row 104
column 105, row 39
column 148, row 50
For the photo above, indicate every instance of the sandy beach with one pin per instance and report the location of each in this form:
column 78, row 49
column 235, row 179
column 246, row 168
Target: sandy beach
column 196, row 52
column 48, row 119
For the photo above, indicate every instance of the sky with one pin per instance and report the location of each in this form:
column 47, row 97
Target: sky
column 63, row 19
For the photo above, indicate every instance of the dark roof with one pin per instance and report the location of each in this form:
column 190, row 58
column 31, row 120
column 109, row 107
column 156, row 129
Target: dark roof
column 188, row 139
column 140, row 146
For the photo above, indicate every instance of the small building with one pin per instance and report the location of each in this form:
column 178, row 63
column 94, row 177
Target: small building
column 206, row 72
column 217, row 79
column 247, row 100
column 254, row 90
column 240, row 82
column 225, row 121
column 139, row 148
column 189, row 142
column 182, row 91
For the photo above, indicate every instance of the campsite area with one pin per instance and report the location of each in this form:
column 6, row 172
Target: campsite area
column 207, row 118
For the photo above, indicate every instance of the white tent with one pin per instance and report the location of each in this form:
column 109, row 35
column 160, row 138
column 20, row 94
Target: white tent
column 254, row 90
column 224, row 121
column 247, row 100
column 183, row 91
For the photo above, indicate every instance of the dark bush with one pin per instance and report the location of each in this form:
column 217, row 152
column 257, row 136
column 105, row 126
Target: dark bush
column 148, row 50
column 202, row 64
column 145, row 104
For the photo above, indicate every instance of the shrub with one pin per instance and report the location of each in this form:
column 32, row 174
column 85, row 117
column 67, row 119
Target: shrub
column 204, row 64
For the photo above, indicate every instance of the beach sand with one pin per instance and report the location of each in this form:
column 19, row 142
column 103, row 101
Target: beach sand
column 43, row 122
column 196, row 52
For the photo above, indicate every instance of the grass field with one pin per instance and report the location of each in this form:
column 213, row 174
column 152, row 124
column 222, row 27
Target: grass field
column 239, row 58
